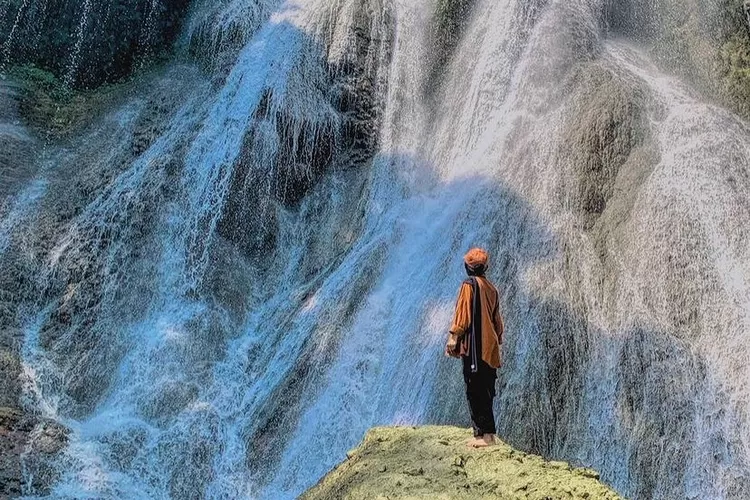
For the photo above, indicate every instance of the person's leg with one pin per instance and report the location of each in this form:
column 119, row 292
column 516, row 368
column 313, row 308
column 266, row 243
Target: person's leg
column 472, row 398
column 484, row 417
column 488, row 414
column 480, row 388
column 476, row 408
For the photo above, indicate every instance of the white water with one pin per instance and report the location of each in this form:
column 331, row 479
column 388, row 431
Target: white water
column 17, row 208
column 259, row 390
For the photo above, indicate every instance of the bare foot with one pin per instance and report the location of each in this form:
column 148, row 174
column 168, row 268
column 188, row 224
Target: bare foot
column 477, row 442
column 489, row 439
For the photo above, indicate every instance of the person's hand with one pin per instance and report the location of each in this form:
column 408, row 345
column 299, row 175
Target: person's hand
column 450, row 350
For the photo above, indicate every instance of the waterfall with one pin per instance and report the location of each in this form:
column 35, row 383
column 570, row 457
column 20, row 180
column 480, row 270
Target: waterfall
column 14, row 28
column 222, row 307
column 145, row 39
column 80, row 36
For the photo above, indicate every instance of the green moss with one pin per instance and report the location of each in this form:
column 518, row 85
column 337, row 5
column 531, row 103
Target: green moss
column 52, row 108
column 434, row 462
column 735, row 69
column 734, row 57
column 710, row 46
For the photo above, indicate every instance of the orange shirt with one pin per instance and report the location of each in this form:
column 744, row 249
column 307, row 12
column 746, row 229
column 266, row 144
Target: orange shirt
column 491, row 321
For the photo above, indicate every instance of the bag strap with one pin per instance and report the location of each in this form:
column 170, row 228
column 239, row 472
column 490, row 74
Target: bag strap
column 475, row 342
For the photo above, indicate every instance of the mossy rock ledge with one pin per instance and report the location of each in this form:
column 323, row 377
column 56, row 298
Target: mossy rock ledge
column 434, row 462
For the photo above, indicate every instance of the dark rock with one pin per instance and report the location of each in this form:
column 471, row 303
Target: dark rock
column 88, row 43
column 17, row 147
column 300, row 151
column 448, row 24
column 706, row 43
column 28, row 447
column 601, row 138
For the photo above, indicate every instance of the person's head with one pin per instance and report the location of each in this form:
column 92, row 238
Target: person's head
column 476, row 262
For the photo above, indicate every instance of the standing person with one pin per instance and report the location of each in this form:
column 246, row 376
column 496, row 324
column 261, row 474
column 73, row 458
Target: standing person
column 476, row 336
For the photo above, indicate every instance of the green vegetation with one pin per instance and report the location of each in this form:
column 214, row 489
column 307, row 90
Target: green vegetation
column 50, row 107
column 735, row 58
column 707, row 43
column 434, row 462
column 712, row 47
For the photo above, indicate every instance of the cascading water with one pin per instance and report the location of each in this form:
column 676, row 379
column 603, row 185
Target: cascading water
column 89, row 42
column 234, row 306
column 13, row 29
column 80, row 36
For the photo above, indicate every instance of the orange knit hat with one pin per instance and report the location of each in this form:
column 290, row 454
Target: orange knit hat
column 476, row 257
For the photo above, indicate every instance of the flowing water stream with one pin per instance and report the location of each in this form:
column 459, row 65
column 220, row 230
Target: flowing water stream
column 231, row 310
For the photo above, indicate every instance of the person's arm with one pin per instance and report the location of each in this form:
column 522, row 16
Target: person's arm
column 461, row 319
column 497, row 319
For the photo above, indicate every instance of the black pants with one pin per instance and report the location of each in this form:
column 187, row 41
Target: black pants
column 480, row 391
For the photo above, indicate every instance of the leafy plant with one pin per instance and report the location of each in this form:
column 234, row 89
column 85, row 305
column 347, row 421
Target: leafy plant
column 50, row 106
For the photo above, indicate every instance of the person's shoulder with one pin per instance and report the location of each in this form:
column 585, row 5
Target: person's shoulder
column 490, row 285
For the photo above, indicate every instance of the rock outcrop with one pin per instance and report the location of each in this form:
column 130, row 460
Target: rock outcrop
column 28, row 445
column 434, row 462
column 17, row 146
column 705, row 43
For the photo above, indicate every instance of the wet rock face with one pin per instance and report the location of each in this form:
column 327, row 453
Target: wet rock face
column 92, row 42
column 646, row 359
column 706, row 43
column 71, row 330
column 28, row 445
column 359, row 85
column 607, row 126
column 218, row 29
column 17, row 156
column 17, row 147
column 301, row 151
column 11, row 336
column 448, row 24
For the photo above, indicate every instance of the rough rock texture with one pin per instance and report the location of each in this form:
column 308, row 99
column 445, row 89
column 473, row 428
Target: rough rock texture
column 305, row 150
column 434, row 462
column 82, row 171
column 27, row 447
column 17, row 146
column 602, row 135
column 18, row 150
column 218, row 29
column 448, row 24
